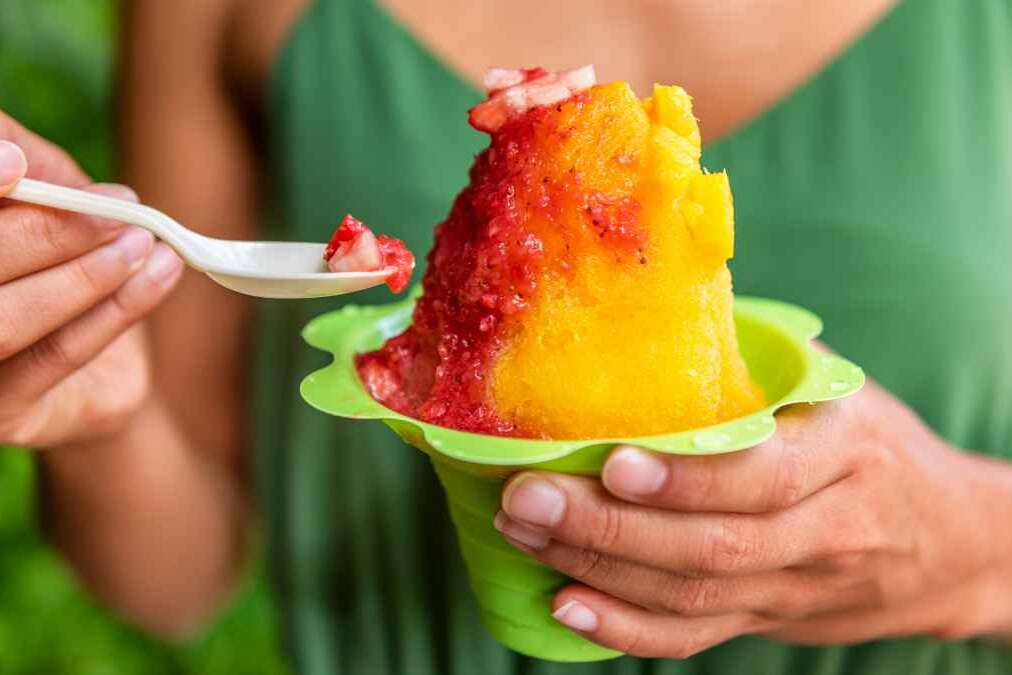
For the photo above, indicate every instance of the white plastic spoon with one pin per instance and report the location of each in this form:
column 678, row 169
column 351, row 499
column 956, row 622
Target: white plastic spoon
column 265, row 269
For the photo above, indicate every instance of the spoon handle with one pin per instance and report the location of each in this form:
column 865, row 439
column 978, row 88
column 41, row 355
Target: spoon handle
column 186, row 243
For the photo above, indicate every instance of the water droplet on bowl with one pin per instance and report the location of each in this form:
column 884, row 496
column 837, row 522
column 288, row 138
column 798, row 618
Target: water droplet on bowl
column 838, row 386
column 751, row 426
column 710, row 440
column 828, row 360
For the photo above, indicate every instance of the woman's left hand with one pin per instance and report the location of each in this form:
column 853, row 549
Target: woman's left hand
column 854, row 522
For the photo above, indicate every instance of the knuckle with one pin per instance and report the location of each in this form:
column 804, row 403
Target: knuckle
column 793, row 606
column 689, row 596
column 590, row 564
column 94, row 279
column 609, row 528
column 845, row 408
column 877, row 458
column 792, row 478
column 697, row 484
column 129, row 304
column 685, row 644
column 57, row 232
column 632, row 642
column 54, row 352
column 137, row 297
column 846, row 540
column 851, row 541
column 112, row 410
column 876, row 538
column 728, row 549
column 8, row 343
column 11, row 130
column 685, row 649
column 49, row 227
column 844, row 561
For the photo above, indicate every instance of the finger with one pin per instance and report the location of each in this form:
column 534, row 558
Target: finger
column 37, row 369
column 773, row 475
column 578, row 511
column 46, row 161
column 13, row 165
column 36, row 305
column 783, row 594
column 37, row 238
column 624, row 627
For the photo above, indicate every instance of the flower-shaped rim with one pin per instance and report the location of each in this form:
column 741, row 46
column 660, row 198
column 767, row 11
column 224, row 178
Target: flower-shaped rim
column 812, row 376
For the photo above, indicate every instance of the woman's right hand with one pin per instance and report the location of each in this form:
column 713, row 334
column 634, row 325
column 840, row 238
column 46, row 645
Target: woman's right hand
column 73, row 359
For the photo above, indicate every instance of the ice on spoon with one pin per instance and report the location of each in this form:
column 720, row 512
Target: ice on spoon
column 354, row 248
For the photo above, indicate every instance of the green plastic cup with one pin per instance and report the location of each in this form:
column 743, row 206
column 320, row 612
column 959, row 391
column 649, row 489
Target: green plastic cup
column 514, row 591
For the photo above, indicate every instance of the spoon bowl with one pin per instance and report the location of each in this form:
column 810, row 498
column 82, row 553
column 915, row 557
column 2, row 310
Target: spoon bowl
column 287, row 270
column 264, row 269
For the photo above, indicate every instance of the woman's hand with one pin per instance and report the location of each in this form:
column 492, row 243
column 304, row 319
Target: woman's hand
column 854, row 522
column 71, row 287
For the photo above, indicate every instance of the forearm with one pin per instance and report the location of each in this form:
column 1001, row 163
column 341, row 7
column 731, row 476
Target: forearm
column 153, row 519
column 151, row 525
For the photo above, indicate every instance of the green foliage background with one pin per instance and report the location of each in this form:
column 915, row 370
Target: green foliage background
column 55, row 68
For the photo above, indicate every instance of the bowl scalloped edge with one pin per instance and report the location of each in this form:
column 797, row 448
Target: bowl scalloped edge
column 337, row 390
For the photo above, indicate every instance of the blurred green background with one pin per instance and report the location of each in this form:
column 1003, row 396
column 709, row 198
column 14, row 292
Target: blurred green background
column 55, row 76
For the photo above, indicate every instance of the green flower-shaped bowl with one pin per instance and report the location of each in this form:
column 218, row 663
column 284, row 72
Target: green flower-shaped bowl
column 514, row 592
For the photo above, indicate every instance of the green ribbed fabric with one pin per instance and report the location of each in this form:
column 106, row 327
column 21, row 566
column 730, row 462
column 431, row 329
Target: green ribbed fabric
column 879, row 195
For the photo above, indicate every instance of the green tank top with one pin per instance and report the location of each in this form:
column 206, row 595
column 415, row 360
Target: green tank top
column 879, row 194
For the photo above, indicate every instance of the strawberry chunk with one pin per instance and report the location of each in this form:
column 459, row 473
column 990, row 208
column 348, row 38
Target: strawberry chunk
column 497, row 79
column 354, row 248
column 512, row 92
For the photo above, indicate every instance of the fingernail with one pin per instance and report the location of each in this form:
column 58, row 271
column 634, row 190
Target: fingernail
column 114, row 191
column 521, row 533
column 133, row 245
column 634, row 472
column 577, row 616
column 13, row 163
column 535, row 501
column 163, row 265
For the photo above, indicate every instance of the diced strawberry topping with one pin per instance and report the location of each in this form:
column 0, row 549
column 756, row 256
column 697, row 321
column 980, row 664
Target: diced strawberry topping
column 497, row 79
column 513, row 92
column 349, row 229
column 354, row 248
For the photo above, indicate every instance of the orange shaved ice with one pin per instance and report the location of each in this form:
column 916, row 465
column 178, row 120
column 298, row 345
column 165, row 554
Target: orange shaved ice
column 579, row 288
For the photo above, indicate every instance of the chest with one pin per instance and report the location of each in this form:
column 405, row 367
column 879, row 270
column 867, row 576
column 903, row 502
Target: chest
column 736, row 57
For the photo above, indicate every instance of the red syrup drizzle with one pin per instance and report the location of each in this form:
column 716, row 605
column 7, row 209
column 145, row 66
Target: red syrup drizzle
column 482, row 273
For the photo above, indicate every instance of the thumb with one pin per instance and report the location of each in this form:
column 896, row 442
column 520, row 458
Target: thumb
column 13, row 166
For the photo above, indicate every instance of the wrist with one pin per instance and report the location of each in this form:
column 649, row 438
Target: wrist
column 985, row 608
column 83, row 457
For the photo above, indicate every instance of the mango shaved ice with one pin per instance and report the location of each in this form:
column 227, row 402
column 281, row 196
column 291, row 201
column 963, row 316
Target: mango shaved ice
column 579, row 287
